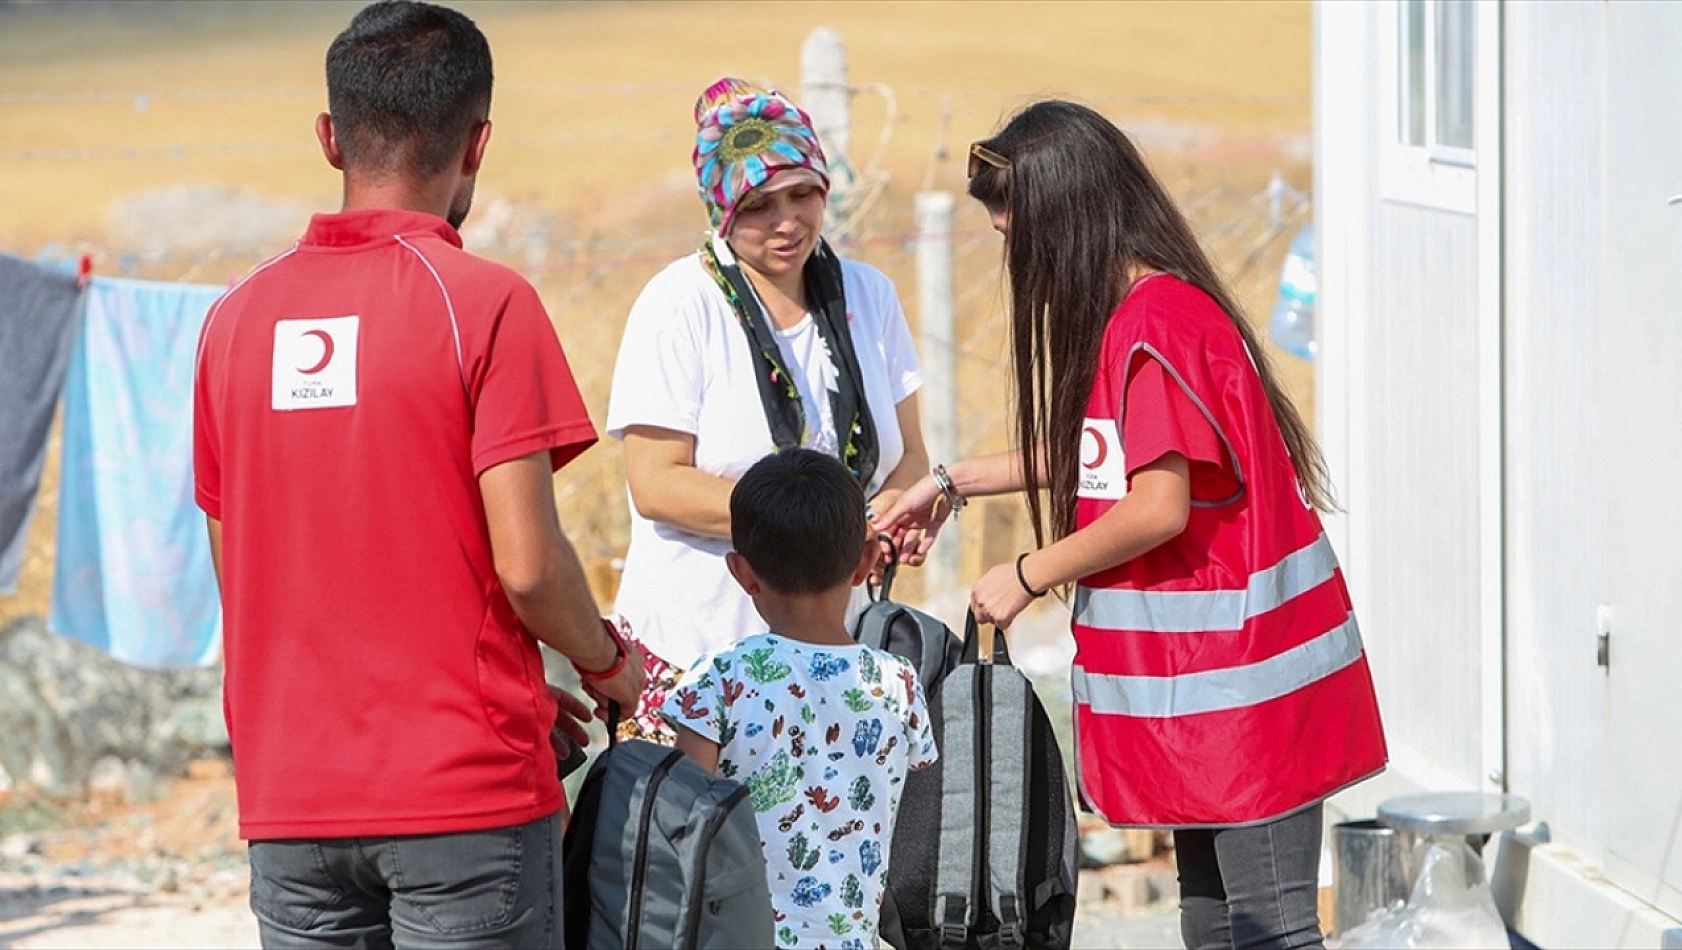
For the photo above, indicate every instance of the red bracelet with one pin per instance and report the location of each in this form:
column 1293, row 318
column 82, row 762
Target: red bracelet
column 618, row 665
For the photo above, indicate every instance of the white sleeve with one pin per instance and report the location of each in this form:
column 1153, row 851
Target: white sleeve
column 658, row 379
column 905, row 376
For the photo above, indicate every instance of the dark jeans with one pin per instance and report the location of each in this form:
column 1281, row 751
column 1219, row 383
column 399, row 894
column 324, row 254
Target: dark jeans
column 495, row 888
column 1251, row 887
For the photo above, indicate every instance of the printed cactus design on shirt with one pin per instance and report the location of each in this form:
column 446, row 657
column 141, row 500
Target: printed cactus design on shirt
column 801, row 854
column 809, row 890
column 732, row 690
column 887, row 750
column 866, row 735
column 852, row 893
column 775, row 707
column 870, row 855
column 825, row 666
column 821, row 799
column 870, row 671
column 860, row 797
column 762, row 668
column 691, row 703
column 771, row 786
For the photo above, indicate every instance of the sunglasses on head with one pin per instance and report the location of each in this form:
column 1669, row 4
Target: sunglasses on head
column 980, row 155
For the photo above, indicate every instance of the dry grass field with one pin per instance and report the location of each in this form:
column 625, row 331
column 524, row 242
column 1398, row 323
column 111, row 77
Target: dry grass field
column 173, row 140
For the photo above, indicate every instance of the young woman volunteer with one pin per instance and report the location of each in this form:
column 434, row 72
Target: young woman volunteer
column 760, row 340
column 1220, row 685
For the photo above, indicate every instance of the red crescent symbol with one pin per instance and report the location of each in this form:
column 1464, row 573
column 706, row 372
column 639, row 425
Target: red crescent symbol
column 326, row 352
column 1103, row 450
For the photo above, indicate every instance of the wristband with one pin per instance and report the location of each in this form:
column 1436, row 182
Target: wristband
column 943, row 481
column 1023, row 580
column 593, row 676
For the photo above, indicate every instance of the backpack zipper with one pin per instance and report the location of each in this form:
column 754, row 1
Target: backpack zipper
column 692, row 921
column 639, row 865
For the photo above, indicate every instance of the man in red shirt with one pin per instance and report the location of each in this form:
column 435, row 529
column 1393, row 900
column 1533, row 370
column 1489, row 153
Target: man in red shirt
column 377, row 418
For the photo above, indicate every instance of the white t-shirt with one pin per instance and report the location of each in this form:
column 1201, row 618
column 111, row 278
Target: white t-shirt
column 685, row 364
column 823, row 737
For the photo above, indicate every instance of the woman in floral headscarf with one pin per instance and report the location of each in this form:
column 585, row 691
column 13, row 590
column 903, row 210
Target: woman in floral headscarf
column 761, row 339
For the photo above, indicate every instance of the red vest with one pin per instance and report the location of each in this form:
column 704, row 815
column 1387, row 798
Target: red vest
column 1219, row 678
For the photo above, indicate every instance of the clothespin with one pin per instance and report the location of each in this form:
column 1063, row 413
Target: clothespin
column 84, row 270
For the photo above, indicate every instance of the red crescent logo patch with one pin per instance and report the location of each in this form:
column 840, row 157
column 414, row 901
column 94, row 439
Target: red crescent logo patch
column 1097, row 442
column 326, row 352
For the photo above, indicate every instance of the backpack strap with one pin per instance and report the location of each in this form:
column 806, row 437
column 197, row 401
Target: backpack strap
column 873, row 623
column 957, row 851
column 972, row 643
column 1007, row 814
column 890, row 568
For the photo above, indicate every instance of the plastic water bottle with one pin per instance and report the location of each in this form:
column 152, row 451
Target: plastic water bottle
column 1292, row 324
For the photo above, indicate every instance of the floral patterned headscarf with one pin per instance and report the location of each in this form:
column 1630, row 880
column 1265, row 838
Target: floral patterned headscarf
column 744, row 135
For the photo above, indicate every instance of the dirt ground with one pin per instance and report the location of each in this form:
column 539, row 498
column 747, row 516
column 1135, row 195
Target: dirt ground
column 168, row 871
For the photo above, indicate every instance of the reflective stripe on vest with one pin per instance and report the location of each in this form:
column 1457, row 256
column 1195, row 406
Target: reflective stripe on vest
column 1205, row 611
column 1235, row 687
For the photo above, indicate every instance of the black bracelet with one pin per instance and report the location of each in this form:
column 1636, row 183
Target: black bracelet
column 1023, row 580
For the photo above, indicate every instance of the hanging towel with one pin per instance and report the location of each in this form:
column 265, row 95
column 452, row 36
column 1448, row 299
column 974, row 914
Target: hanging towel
column 134, row 574
column 37, row 325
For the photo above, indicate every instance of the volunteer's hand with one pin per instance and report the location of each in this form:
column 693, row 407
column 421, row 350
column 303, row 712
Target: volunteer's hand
column 624, row 687
column 570, row 716
column 998, row 596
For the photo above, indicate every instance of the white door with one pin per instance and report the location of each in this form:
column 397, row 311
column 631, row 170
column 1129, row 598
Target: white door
column 1424, row 465
column 1640, row 425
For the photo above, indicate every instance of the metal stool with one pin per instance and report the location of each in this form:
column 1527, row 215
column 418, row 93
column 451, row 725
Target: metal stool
column 1474, row 816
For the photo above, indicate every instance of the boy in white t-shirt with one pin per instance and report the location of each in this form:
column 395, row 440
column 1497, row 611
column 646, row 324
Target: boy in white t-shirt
column 821, row 729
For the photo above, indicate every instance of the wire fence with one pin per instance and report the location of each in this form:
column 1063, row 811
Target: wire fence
column 1246, row 206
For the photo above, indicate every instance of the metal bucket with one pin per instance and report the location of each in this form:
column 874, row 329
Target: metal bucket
column 1368, row 872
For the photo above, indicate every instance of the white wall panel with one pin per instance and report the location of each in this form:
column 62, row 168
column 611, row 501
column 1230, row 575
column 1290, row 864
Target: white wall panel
column 1639, row 389
column 1418, row 438
column 1556, row 694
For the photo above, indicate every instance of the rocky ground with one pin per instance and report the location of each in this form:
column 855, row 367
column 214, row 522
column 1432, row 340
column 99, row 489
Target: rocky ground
column 101, row 871
column 170, row 871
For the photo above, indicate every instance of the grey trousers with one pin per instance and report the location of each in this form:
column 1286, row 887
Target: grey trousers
column 1251, row 887
column 495, row 888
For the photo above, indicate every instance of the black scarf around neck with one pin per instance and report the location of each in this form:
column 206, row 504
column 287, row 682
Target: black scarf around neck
column 784, row 411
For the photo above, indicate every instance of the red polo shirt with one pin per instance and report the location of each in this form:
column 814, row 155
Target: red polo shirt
column 349, row 393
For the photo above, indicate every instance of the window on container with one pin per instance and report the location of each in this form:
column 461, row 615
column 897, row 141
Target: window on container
column 1437, row 39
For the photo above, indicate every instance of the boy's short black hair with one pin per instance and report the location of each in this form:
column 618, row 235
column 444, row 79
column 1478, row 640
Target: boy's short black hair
column 797, row 516
column 407, row 82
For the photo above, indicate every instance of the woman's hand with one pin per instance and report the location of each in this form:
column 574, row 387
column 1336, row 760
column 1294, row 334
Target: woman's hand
column 904, row 541
column 913, row 518
column 998, row 596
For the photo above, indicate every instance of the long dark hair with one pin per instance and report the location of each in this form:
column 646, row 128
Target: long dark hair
column 1084, row 212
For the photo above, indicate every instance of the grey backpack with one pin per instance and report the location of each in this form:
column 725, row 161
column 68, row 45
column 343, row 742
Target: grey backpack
column 984, row 847
column 929, row 645
column 661, row 853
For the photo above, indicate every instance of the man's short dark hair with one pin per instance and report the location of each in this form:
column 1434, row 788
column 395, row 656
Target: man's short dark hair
column 407, row 83
column 798, row 518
